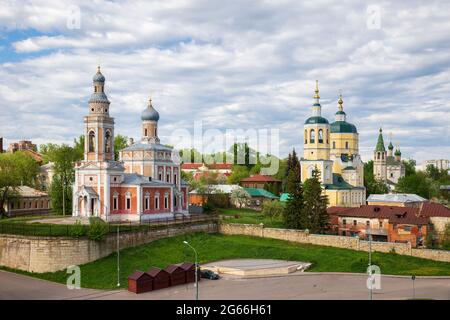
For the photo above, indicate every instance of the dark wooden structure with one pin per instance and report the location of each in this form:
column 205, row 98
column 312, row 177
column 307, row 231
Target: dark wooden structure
column 139, row 282
column 177, row 275
column 189, row 269
column 161, row 278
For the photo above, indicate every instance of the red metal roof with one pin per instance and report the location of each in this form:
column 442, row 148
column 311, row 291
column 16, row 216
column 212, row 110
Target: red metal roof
column 155, row 271
column 186, row 265
column 191, row 165
column 172, row 268
column 136, row 275
column 431, row 209
column 260, row 178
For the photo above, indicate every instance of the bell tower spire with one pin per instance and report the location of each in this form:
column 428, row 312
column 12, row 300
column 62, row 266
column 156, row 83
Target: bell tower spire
column 317, row 108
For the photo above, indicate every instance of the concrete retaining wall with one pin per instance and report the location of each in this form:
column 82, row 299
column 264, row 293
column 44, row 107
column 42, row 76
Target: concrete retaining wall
column 353, row 243
column 49, row 254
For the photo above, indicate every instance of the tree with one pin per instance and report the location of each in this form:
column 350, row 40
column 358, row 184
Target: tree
column 446, row 238
column 272, row 209
column 16, row 169
column 120, row 142
column 292, row 214
column 237, row 174
column 63, row 158
column 373, row 185
column 417, row 183
column 240, row 196
column 315, row 204
column 410, row 166
column 78, row 146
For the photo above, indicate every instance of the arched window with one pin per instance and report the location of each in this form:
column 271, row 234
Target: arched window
column 334, row 144
column 91, row 146
column 312, row 136
column 320, row 136
column 346, row 144
column 107, row 142
column 145, row 132
column 306, row 136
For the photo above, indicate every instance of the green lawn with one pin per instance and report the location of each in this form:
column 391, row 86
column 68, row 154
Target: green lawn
column 250, row 216
column 102, row 273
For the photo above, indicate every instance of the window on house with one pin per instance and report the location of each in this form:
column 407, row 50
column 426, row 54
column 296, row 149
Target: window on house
column 368, row 223
column 344, row 222
column 380, row 224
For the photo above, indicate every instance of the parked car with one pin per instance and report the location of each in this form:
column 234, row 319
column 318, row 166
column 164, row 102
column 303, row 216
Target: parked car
column 208, row 274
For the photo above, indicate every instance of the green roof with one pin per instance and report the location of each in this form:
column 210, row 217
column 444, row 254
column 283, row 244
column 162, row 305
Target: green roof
column 255, row 192
column 284, row 197
column 342, row 127
column 340, row 184
column 390, row 161
column 397, row 152
column 390, row 147
column 380, row 142
column 316, row 119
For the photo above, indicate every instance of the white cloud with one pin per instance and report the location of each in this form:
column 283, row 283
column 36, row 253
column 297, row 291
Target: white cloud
column 234, row 64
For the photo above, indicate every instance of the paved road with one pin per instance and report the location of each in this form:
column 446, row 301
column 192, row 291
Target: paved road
column 293, row 286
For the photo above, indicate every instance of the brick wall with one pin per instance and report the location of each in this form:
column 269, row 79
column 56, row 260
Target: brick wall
column 49, row 254
column 353, row 243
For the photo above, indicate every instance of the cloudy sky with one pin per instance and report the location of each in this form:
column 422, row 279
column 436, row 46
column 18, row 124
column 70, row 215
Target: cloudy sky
column 232, row 64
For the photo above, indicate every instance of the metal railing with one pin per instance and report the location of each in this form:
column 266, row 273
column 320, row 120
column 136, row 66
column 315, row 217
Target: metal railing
column 72, row 230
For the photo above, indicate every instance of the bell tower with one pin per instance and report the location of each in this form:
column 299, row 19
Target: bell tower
column 98, row 125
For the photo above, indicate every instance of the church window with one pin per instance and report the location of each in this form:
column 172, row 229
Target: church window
column 378, row 155
column 155, row 132
column 306, row 136
column 175, row 178
column 145, row 132
column 334, row 144
column 168, row 177
column 327, row 136
column 392, row 175
column 128, row 201
column 147, row 201
column 160, row 176
column 320, row 136
column 166, row 201
column 107, row 142
column 355, row 222
column 91, row 141
column 115, row 201
column 95, row 89
column 157, row 201
column 346, row 144
column 312, row 136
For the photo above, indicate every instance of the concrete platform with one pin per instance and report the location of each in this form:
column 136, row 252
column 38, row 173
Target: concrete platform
column 256, row 267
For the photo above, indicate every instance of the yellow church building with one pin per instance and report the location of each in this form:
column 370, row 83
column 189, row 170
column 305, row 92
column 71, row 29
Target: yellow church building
column 333, row 150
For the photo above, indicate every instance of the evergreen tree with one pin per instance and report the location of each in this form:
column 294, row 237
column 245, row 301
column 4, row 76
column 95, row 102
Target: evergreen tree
column 292, row 214
column 315, row 205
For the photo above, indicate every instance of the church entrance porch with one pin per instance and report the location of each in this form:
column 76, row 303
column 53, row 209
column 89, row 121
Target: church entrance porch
column 87, row 202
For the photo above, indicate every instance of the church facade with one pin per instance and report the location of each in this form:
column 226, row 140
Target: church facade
column 146, row 181
column 387, row 165
column 333, row 150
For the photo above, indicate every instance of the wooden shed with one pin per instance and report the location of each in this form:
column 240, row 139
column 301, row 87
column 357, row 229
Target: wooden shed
column 177, row 275
column 189, row 269
column 139, row 282
column 161, row 278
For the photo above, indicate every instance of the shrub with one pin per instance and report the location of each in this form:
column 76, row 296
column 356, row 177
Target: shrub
column 272, row 209
column 77, row 230
column 98, row 229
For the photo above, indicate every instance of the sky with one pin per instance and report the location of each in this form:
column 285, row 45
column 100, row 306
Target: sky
column 232, row 65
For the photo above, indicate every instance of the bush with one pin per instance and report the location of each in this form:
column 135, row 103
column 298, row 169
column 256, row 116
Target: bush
column 77, row 230
column 98, row 229
column 272, row 209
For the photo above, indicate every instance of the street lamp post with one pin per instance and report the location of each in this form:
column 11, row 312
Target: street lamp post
column 196, row 269
column 118, row 257
column 370, row 259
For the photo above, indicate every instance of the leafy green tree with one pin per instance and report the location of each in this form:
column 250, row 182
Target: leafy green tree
column 237, row 174
column 315, row 204
column 272, row 209
column 417, row 183
column 120, row 142
column 78, row 146
column 373, row 186
column 446, row 238
column 16, row 169
column 410, row 166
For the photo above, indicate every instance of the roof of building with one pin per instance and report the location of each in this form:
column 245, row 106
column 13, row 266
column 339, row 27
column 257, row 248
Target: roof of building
column 340, row 184
column 154, row 271
column 186, row 265
column 431, row 209
column 380, row 142
column 390, row 161
column 137, row 179
column 219, row 188
column 395, row 214
column 172, row 268
column 149, row 113
column 256, row 192
column 316, row 119
column 98, row 77
column 284, row 197
column 136, row 275
column 396, row 197
column 342, row 127
column 98, row 97
column 260, row 178
column 28, row 192
column 138, row 146
column 390, row 147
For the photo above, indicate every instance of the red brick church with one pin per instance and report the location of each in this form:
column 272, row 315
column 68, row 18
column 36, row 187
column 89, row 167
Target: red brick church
column 146, row 181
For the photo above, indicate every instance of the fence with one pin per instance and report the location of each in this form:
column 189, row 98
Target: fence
column 71, row 230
